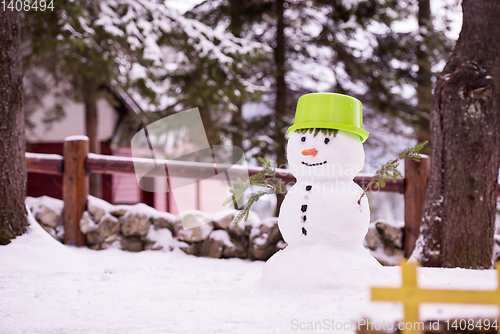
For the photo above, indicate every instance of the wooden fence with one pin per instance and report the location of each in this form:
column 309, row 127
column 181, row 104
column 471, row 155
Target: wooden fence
column 412, row 296
column 76, row 164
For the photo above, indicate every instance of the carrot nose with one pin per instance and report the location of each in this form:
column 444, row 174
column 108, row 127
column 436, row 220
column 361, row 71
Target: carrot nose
column 311, row 151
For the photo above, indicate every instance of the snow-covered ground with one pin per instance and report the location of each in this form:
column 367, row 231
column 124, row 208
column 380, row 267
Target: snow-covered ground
column 46, row 287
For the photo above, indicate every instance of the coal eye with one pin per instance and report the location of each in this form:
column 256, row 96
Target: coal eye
column 327, row 140
column 303, row 139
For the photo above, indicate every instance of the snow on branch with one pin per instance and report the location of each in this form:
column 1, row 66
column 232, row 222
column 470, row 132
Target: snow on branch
column 143, row 38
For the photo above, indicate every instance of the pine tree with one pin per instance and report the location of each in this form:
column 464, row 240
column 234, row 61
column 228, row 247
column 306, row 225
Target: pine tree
column 424, row 73
column 459, row 219
column 13, row 219
column 315, row 50
column 143, row 48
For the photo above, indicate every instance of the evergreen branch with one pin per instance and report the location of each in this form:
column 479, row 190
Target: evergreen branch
column 267, row 179
column 390, row 171
column 252, row 198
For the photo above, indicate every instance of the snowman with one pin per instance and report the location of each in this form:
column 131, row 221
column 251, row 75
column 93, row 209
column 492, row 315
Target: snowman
column 320, row 218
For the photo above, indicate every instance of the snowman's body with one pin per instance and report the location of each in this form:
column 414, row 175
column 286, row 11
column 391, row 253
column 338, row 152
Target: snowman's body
column 320, row 218
column 324, row 215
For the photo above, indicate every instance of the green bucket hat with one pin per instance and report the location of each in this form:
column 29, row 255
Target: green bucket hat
column 329, row 111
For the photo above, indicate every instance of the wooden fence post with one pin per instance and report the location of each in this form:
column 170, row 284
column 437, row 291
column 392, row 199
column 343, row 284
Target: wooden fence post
column 75, row 188
column 416, row 177
column 148, row 196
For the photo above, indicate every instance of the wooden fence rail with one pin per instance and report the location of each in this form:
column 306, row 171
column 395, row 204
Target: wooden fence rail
column 77, row 163
column 412, row 296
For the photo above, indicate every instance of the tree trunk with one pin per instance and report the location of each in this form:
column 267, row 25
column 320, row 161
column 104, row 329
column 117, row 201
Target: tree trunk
column 424, row 76
column 236, row 27
column 13, row 219
column 237, row 136
column 90, row 92
column 236, row 9
column 458, row 223
column 281, row 94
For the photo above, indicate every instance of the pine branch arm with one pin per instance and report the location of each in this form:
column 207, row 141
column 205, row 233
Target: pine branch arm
column 389, row 169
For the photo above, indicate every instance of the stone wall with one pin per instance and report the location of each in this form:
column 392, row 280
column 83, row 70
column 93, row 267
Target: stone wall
column 385, row 242
column 139, row 227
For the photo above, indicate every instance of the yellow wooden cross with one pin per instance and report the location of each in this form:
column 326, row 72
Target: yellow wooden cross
column 412, row 296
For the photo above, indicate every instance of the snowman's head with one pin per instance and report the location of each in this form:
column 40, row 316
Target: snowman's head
column 325, row 153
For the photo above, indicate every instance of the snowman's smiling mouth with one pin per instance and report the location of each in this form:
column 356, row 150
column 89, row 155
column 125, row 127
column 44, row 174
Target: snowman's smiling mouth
column 316, row 164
